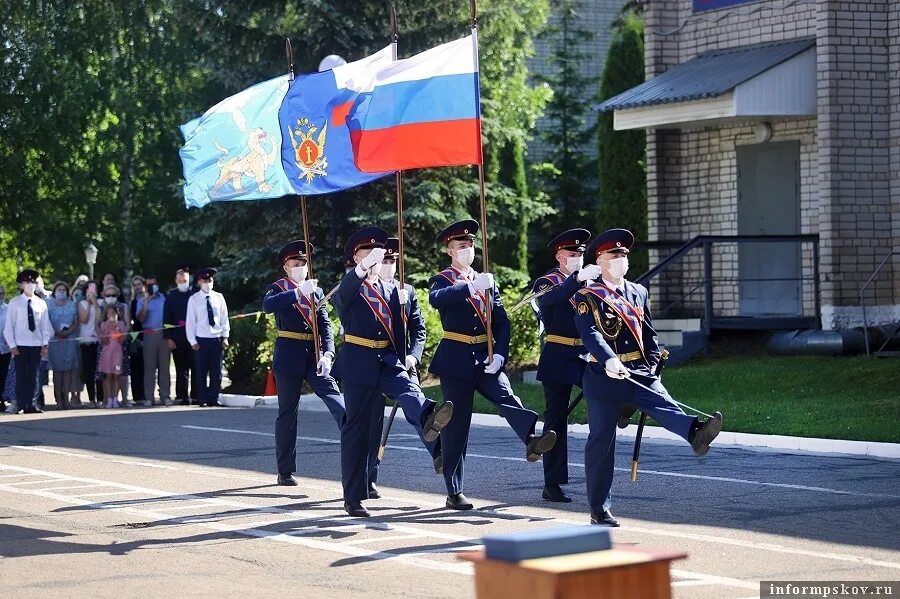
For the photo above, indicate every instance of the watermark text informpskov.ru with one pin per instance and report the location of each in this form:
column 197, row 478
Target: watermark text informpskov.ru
column 828, row 589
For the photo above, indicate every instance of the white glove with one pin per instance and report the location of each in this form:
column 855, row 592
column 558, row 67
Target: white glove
column 411, row 362
column 586, row 357
column 323, row 368
column 374, row 257
column 483, row 281
column 495, row 365
column 589, row 272
column 404, row 296
column 307, row 287
column 615, row 369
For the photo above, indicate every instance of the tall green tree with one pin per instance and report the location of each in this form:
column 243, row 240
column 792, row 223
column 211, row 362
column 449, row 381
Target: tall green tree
column 89, row 141
column 623, row 175
column 94, row 93
column 570, row 178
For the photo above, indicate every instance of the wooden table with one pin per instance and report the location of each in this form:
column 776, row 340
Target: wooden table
column 622, row 572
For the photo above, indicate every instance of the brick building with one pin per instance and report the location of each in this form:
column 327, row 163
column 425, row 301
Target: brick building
column 773, row 117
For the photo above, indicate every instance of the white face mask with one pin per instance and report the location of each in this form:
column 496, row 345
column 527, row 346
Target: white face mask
column 182, row 287
column 207, row 286
column 298, row 273
column 387, row 271
column 466, row 256
column 28, row 288
column 109, row 300
column 618, row 267
column 60, row 295
column 574, row 263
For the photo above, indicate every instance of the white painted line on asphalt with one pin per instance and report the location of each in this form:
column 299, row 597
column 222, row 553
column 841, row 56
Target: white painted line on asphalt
column 299, row 536
column 656, row 531
column 81, row 495
column 709, row 579
column 691, row 583
column 69, row 487
column 36, row 482
column 739, row 481
column 384, row 539
column 330, row 546
column 15, row 475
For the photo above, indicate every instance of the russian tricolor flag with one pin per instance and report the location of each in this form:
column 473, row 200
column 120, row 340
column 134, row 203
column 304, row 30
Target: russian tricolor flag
column 420, row 112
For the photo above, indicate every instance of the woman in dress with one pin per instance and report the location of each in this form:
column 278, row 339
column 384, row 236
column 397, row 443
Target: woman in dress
column 64, row 352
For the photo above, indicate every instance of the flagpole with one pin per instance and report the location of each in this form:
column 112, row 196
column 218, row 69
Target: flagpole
column 484, row 232
column 314, row 320
column 395, row 36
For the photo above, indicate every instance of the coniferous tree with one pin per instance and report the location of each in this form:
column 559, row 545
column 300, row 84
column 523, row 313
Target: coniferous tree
column 622, row 156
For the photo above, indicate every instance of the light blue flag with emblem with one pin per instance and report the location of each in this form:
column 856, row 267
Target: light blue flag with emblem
column 233, row 151
column 278, row 138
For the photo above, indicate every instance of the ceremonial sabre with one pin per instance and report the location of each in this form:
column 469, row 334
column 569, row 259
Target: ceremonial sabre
column 387, row 431
column 663, row 357
column 574, row 404
column 527, row 299
column 667, row 397
column 328, row 295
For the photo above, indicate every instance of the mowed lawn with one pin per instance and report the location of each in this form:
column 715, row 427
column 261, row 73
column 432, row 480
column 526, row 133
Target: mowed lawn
column 807, row 396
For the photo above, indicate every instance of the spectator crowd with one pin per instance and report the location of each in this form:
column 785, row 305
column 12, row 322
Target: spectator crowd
column 106, row 351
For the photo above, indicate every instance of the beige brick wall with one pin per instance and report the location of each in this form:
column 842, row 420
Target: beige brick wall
column 850, row 155
column 696, row 191
column 854, row 133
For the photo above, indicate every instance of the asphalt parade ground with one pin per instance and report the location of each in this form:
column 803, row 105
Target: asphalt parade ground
column 182, row 502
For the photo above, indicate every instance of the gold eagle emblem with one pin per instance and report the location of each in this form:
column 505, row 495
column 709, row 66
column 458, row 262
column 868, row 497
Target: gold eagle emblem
column 582, row 308
column 309, row 148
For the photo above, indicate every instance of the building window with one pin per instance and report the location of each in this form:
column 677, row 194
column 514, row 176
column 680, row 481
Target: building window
column 702, row 5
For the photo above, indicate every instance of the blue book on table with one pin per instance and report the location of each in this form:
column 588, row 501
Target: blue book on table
column 547, row 542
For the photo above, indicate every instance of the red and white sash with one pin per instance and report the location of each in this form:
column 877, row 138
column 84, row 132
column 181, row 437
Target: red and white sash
column 304, row 306
column 379, row 307
column 478, row 301
column 555, row 277
column 632, row 315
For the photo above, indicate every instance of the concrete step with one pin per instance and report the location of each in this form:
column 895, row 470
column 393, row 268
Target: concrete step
column 687, row 325
column 671, row 338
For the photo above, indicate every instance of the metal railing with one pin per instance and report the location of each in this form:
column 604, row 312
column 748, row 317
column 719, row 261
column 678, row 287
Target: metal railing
column 707, row 281
column 862, row 299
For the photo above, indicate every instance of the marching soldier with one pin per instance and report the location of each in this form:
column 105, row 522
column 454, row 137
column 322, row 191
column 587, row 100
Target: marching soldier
column 561, row 365
column 613, row 320
column 292, row 299
column 415, row 346
column 461, row 360
column 372, row 362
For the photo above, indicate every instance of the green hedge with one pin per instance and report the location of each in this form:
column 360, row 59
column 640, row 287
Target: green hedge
column 249, row 354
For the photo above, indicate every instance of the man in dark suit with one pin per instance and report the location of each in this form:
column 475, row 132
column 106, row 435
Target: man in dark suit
column 372, row 362
column 613, row 321
column 296, row 300
column 461, row 360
